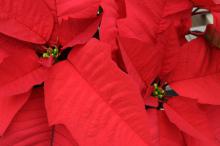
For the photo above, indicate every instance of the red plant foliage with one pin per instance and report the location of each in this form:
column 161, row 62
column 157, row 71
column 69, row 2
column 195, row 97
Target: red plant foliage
column 98, row 72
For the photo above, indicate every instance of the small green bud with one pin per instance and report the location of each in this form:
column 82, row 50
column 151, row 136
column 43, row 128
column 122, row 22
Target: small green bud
column 55, row 51
column 155, row 93
column 160, row 96
column 53, row 55
column 155, row 85
column 46, row 55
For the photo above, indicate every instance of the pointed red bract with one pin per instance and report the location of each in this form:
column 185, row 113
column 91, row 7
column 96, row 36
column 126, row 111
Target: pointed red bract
column 147, row 61
column 62, row 136
column 20, row 72
column 89, row 99
column 164, row 133
column 212, row 113
column 29, row 126
column 97, row 102
column 9, row 106
column 130, row 69
column 150, row 35
column 146, row 20
column 77, row 31
column 38, row 24
column 188, row 117
column 169, row 134
column 77, row 9
column 113, row 10
column 197, row 73
column 26, row 20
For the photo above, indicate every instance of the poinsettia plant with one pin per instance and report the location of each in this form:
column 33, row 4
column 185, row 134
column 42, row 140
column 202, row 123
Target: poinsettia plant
column 56, row 80
column 153, row 45
column 108, row 73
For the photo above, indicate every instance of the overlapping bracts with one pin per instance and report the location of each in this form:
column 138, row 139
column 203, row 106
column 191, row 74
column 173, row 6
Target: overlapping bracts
column 108, row 73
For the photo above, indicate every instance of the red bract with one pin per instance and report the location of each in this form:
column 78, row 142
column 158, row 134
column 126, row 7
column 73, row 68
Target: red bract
column 37, row 22
column 30, row 126
column 114, row 10
column 41, row 27
column 59, row 86
column 94, row 101
column 21, row 69
column 80, row 85
column 101, row 104
column 209, row 4
column 200, row 81
column 34, row 21
column 152, row 43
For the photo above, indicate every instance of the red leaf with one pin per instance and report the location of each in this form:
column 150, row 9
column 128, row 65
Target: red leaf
column 19, row 84
column 77, row 9
column 64, row 9
column 10, row 47
column 154, row 128
column 9, row 106
column 169, row 134
column 197, row 74
column 130, row 68
column 146, row 60
column 63, row 137
column 39, row 24
column 164, row 133
column 26, row 20
column 202, row 88
column 77, row 31
column 75, row 22
column 30, row 125
column 206, row 3
column 188, row 117
column 20, row 71
column 113, row 10
column 214, row 119
column 170, row 43
column 3, row 55
column 150, row 35
column 191, row 141
column 97, row 102
column 146, row 20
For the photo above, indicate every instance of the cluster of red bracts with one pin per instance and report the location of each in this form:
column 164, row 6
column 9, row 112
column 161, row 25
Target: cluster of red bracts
column 108, row 73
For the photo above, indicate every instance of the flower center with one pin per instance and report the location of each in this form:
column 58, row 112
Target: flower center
column 48, row 55
column 158, row 92
column 51, row 52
